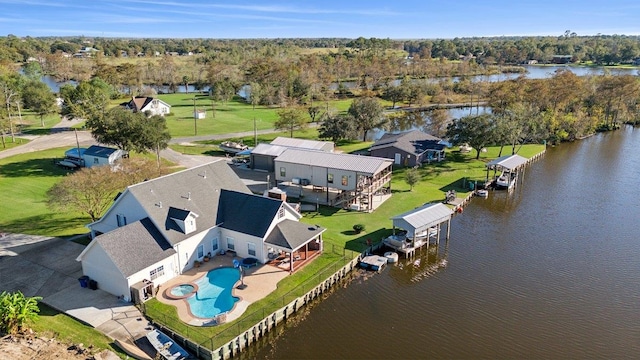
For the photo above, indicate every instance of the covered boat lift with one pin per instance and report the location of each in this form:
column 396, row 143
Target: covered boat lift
column 421, row 224
column 508, row 163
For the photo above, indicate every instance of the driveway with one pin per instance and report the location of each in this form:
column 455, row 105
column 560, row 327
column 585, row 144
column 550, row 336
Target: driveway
column 47, row 267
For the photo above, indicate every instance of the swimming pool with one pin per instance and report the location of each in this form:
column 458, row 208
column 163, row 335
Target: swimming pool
column 214, row 295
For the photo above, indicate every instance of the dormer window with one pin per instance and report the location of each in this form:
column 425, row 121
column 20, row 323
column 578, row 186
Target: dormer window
column 185, row 219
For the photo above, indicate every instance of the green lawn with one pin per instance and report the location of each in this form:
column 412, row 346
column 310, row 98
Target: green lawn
column 24, row 181
column 223, row 118
column 68, row 330
column 8, row 144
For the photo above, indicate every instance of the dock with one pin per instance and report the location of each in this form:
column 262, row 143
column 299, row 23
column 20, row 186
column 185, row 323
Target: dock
column 373, row 262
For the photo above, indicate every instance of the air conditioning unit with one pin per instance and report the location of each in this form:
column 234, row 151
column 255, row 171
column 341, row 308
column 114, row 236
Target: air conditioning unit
column 295, row 181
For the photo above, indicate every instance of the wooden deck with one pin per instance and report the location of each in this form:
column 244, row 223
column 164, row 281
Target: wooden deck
column 299, row 259
column 373, row 262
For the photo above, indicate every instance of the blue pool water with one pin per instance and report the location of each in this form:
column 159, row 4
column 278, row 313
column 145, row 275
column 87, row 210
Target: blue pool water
column 214, row 293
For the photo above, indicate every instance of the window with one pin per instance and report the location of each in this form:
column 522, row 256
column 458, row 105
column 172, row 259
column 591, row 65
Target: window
column 230, row 244
column 156, row 273
column 96, row 160
column 214, row 245
column 283, row 171
column 345, row 180
column 200, row 251
column 121, row 219
column 252, row 249
column 330, row 178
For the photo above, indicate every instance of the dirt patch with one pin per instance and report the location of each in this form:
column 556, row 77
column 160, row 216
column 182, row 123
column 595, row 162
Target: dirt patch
column 31, row 346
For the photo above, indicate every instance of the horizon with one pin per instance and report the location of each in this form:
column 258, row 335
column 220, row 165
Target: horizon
column 403, row 20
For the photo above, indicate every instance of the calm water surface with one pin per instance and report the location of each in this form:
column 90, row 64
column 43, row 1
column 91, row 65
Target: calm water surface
column 549, row 271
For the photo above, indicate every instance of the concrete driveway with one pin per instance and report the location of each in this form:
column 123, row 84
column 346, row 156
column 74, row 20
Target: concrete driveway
column 47, row 267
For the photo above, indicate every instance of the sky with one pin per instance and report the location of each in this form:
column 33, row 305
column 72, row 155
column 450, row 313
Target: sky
column 394, row 19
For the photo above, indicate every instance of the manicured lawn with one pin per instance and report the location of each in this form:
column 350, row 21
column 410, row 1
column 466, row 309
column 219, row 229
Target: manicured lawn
column 10, row 144
column 69, row 330
column 24, row 181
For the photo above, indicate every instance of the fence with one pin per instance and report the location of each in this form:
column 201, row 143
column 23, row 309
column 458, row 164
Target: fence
column 238, row 335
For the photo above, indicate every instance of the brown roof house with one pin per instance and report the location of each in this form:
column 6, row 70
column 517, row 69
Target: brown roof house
column 148, row 104
column 409, row 148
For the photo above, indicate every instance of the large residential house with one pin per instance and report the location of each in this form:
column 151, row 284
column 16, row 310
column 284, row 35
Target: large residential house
column 148, row 104
column 409, row 148
column 157, row 229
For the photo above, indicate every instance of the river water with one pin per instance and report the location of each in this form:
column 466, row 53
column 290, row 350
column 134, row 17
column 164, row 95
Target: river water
column 549, row 271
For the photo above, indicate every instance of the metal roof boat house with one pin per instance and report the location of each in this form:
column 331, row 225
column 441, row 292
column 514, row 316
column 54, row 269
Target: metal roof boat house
column 419, row 226
column 350, row 181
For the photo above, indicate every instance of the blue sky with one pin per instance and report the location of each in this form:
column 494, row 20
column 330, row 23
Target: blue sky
column 399, row 19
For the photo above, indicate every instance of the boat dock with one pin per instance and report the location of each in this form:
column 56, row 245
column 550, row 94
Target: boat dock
column 373, row 262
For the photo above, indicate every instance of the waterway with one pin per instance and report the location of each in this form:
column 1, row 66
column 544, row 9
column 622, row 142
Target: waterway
column 549, row 271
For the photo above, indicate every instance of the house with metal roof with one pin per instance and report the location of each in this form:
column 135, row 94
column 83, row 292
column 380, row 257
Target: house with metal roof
column 263, row 155
column 411, row 148
column 346, row 180
column 97, row 155
column 158, row 229
column 419, row 226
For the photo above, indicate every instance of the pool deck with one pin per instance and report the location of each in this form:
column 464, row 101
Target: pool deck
column 260, row 281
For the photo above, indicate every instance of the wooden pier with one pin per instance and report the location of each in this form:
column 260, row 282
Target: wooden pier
column 373, row 262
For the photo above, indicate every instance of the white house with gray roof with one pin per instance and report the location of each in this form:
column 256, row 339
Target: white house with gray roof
column 157, row 229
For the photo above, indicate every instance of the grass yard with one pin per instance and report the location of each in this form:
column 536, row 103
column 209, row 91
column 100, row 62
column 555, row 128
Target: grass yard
column 8, row 144
column 69, row 330
column 24, row 181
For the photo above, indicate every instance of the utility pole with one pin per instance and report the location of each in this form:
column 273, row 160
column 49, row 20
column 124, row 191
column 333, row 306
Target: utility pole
column 195, row 117
column 255, row 133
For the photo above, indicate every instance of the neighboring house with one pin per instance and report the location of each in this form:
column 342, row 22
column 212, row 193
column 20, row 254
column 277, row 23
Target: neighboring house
column 100, row 155
column 264, row 155
column 561, row 59
column 355, row 178
column 157, row 229
column 148, row 104
column 409, row 148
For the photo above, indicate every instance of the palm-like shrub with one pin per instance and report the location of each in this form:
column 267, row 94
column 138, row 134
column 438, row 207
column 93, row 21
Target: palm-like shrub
column 16, row 310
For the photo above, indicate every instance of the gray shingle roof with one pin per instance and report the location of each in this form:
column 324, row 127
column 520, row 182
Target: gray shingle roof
column 247, row 213
column 196, row 189
column 363, row 164
column 135, row 246
column 292, row 235
column 413, row 142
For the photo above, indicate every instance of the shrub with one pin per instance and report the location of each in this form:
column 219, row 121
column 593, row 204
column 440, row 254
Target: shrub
column 358, row 228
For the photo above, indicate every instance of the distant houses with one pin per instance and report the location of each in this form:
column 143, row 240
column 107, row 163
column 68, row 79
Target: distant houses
column 411, row 148
column 149, row 105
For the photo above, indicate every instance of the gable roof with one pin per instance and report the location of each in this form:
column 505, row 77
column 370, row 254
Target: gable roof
column 99, row 151
column 509, row 162
column 269, row 149
column 247, row 213
column 292, row 235
column 139, row 103
column 178, row 214
column 413, row 142
column 423, row 217
column 194, row 190
column 135, row 246
column 368, row 165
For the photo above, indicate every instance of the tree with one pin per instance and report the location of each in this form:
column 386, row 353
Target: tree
column 313, row 111
column 367, row 114
column 475, row 130
column 412, row 176
column 336, row 127
column 92, row 190
column 88, row 100
column 16, row 311
column 290, row 119
column 37, row 96
column 130, row 131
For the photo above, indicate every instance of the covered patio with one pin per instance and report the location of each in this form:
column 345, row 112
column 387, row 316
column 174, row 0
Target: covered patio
column 291, row 244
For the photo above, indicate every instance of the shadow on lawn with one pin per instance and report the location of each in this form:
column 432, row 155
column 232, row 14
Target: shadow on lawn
column 47, row 224
column 33, row 167
column 360, row 243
